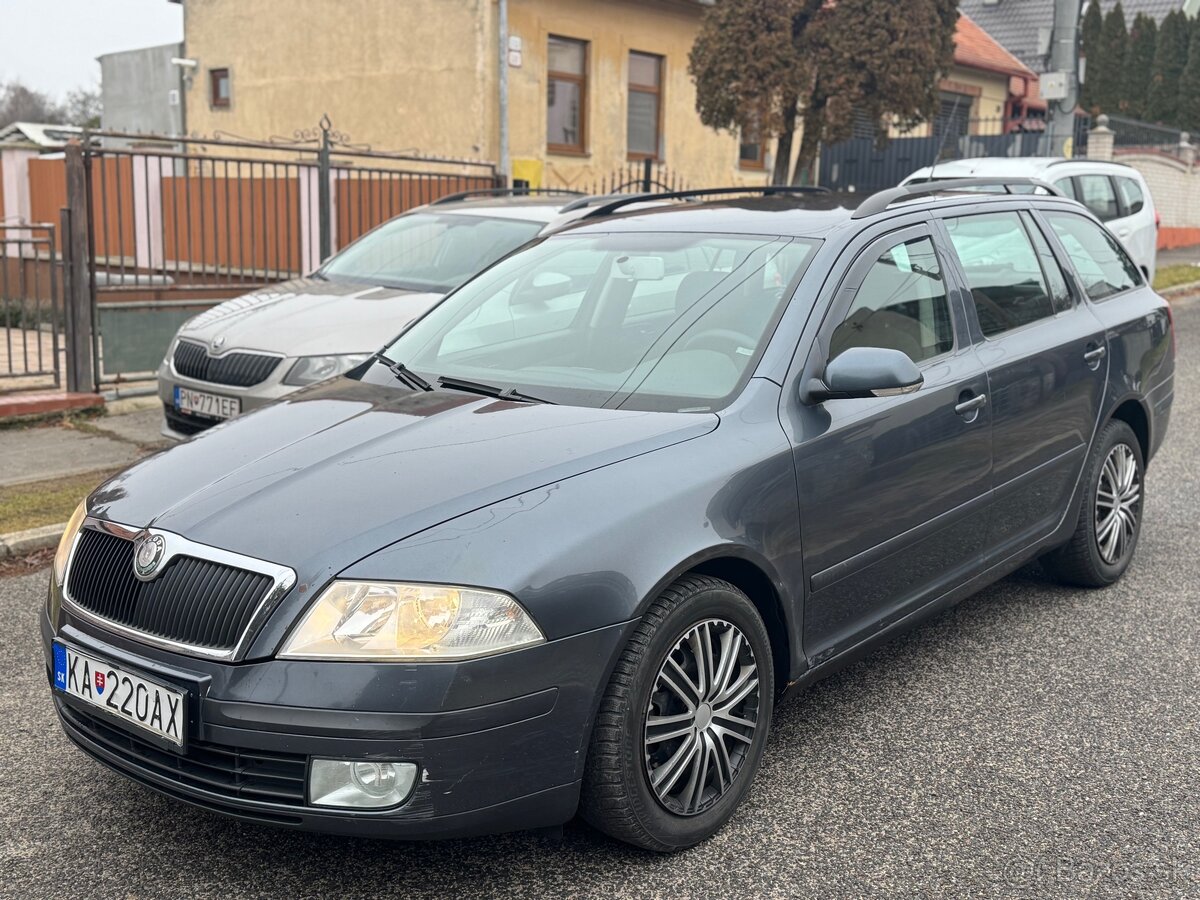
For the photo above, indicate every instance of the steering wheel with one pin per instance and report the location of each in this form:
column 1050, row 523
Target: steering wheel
column 723, row 340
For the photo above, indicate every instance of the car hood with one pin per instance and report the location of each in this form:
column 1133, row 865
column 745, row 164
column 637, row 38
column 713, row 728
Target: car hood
column 310, row 317
column 340, row 470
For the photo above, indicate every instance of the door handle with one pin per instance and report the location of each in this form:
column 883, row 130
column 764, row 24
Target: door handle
column 966, row 407
column 1095, row 355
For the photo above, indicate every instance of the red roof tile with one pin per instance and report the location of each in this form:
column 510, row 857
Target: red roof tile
column 974, row 48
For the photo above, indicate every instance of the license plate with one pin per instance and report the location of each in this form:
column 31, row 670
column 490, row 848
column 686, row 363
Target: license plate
column 121, row 693
column 201, row 403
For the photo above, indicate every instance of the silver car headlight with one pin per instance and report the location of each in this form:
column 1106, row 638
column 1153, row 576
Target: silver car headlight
column 63, row 553
column 311, row 369
column 383, row 620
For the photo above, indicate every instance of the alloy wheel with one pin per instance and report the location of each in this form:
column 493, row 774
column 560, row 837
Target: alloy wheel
column 702, row 717
column 1118, row 503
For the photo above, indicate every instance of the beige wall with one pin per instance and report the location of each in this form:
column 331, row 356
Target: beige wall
column 421, row 74
column 395, row 75
column 991, row 92
column 613, row 29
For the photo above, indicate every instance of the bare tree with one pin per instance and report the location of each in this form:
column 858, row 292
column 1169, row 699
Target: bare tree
column 19, row 103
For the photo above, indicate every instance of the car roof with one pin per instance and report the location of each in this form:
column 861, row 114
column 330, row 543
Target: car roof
column 1005, row 166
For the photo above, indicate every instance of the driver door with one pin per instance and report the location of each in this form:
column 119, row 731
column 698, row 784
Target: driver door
column 893, row 491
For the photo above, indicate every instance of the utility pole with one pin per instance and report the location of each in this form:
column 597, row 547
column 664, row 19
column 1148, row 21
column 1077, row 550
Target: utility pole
column 1060, row 86
column 504, row 161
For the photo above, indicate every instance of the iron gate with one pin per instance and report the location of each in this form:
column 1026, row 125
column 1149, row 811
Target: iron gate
column 176, row 225
column 31, row 307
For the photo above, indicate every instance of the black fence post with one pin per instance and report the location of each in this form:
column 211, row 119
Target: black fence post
column 77, row 291
column 647, row 175
column 324, row 210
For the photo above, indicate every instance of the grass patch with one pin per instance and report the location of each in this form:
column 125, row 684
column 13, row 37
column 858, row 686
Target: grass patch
column 39, row 503
column 1173, row 276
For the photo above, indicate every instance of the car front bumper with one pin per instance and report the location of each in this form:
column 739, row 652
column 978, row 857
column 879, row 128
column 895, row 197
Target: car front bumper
column 492, row 766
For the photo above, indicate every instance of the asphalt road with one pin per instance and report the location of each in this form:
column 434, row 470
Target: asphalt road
column 1035, row 741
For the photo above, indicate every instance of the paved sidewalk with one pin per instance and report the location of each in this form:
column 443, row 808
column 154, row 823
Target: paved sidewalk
column 63, row 449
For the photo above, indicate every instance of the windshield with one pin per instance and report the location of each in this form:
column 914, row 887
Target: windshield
column 631, row 320
column 429, row 251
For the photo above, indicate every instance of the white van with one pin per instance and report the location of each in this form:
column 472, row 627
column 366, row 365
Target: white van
column 1117, row 194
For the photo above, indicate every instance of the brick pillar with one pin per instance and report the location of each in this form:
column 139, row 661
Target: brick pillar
column 1100, row 140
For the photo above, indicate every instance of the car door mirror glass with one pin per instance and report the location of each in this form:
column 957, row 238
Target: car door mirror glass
column 860, row 372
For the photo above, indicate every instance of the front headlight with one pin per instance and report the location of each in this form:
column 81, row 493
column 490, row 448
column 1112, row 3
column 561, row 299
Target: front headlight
column 311, row 369
column 64, row 543
column 390, row 621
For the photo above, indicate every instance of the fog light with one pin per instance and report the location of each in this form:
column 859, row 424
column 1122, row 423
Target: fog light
column 360, row 784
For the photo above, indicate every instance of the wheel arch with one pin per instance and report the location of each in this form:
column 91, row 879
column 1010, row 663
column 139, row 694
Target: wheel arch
column 757, row 579
column 1132, row 411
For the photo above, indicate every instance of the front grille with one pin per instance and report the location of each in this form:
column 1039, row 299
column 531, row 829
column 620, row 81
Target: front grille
column 261, row 775
column 193, row 601
column 234, row 369
column 184, row 423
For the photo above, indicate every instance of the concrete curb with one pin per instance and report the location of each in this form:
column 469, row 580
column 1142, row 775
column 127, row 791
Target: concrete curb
column 21, row 543
column 1181, row 290
column 130, row 405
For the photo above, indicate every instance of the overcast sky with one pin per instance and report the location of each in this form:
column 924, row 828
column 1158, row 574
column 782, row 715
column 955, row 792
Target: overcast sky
column 52, row 45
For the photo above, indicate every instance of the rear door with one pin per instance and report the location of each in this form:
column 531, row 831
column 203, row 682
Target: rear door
column 1045, row 355
column 893, row 491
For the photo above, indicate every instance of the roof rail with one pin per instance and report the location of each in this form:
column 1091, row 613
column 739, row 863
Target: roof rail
column 589, row 200
column 1087, row 159
column 880, row 201
column 765, row 189
column 502, row 192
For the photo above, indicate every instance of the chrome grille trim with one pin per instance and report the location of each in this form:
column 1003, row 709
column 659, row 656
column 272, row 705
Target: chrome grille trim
column 283, row 578
column 233, row 368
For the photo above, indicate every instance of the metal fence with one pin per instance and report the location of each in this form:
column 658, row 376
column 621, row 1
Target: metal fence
column 862, row 164
column 1131, row 135
column 31, row 309
column 644, row 176
column 177, row 224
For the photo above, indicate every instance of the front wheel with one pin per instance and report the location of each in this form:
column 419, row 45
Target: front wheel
column 1110, row 514
column 684, row 720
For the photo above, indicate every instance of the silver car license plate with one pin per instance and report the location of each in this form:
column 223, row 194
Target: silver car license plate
column 202, row 403
column 127, row 696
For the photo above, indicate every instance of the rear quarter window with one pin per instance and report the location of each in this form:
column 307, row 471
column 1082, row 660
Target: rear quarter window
column 1102, row 263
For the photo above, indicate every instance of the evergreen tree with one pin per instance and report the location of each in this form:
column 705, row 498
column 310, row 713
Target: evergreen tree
column 1106, row 71
column 1139, row 62
column 1170, row 57
column 1189, row 87
column 1093, row 23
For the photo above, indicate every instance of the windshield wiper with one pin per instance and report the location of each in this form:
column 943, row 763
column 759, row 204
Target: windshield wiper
column 488, row 390
column 405, row 375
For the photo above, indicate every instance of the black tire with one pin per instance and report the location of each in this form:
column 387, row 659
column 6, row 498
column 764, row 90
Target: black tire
column 1082, row 560
column 618, row 797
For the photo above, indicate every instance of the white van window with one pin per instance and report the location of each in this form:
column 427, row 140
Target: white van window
column 1097, row 194
column 1131, row 194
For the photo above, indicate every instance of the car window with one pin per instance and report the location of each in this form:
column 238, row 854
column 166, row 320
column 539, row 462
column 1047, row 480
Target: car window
column 1102, row 263
column 1097, row 194
column 1067, row 186
column 633, row 320
column 428, row 251
column 1002, row 270
column 1131, row 194
column 1060, row 292
column 901, row 305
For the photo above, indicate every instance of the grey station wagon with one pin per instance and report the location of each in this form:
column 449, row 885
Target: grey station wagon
column 564, row 543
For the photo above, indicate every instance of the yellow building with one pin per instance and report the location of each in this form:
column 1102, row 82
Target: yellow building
column 594, row 86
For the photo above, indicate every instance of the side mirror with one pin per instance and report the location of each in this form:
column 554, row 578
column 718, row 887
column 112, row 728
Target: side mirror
column 861, row 372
